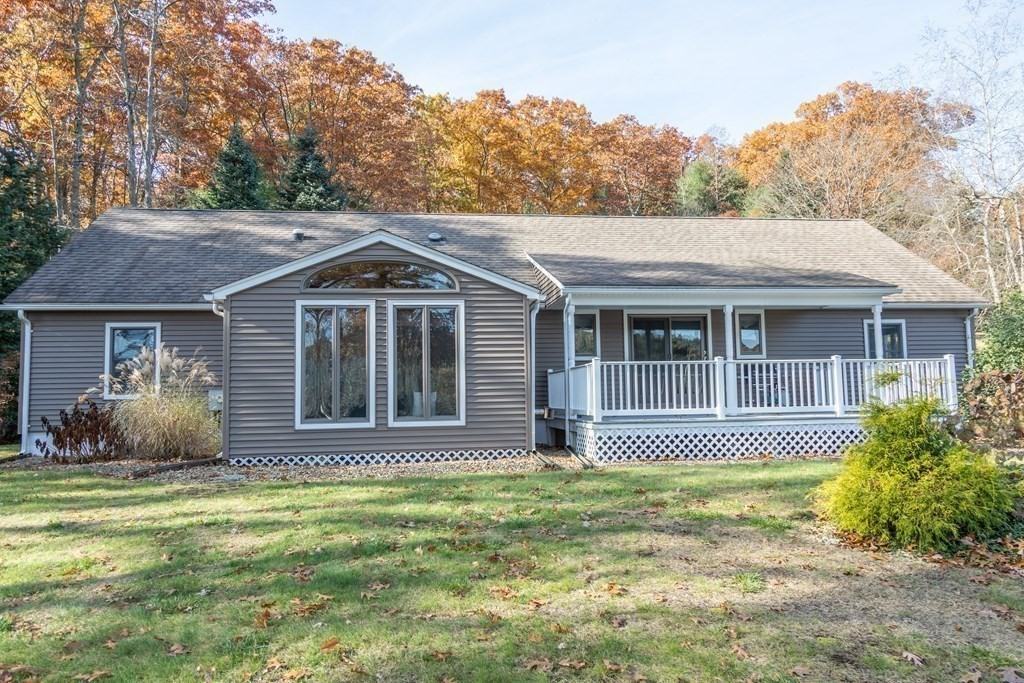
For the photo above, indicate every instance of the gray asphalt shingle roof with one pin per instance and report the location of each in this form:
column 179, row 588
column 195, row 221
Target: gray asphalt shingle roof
column 174, row 256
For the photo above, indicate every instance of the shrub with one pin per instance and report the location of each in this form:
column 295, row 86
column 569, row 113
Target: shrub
column 1001, row 335
column 84, row 433
column 911, row 484
column 167, row 422
column 993, row 407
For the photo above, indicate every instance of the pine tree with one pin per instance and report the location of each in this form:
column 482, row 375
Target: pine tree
column 237, row 179
column 308, row 185
column 29, row 234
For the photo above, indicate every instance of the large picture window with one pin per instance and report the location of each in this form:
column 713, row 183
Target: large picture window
column 125, row 342
column 380, row 275
column 667, row 339
column 334, row 365
column 426, row 372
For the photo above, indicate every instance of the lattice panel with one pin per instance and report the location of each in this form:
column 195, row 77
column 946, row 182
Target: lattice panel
column 395, row 458
column 620, row 444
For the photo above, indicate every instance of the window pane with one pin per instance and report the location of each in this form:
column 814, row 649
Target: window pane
column 408, row 380
column 687, row 340
column 650, row 339
column 750, row 334
column 127, row 343
column 586, row 335
column 892, row 340
column 317, row 363
column 444, row 396
column 379, row 275
column 352, row 363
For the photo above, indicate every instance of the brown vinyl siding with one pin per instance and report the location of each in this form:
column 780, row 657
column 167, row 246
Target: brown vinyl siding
column 261, row 384
column 67, row 351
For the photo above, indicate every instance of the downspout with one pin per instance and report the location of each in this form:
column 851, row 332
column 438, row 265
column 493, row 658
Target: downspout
column 569, row 349
column 969, row 328
column 26, row 360
column 219, row 310
column 532, row 379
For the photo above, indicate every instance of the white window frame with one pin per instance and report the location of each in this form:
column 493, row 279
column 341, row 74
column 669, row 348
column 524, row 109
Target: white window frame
column 596, row 312
column 736, row 334
column 371, row 351
column 868, row 322
column 460, row 357
column 107, row 333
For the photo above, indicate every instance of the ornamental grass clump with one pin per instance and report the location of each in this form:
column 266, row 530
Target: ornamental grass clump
column 910, row 484
column 169, row 419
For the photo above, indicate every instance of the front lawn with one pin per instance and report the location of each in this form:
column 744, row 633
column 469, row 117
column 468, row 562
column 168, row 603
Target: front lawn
column 701, row 572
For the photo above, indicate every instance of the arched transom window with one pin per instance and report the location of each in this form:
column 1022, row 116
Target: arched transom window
column 380, row 275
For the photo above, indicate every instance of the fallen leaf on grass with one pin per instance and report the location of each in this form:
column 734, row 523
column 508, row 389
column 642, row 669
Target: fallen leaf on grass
column 912, row 658
column 538, row 665
column 177, row 649
column 94, row 676
column 296, row 674
column 615, row 589
column 619, row 622
column 973, row 677
column 330, row 644
column 569, row 664
column 611, row 666
column 740, row 652
column 1010, row 675
column 800, row 671
column 440, row 656
column 537, row 603
column 274, row 664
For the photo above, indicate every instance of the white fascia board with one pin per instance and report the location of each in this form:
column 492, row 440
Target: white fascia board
column 849, row 297
column 378, row 237
column 546, row 273
column 104, row 307
column 962, row 306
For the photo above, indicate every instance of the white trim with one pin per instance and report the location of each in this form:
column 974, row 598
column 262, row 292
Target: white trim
column 107, row 328
column 105, row 307
column 754, row 297
column 596, row 312
column 377, row 237
column 547, row 273
column 963, row 306
column 460, row 307
column 763, row 337
column 531, row 384
column 26, row 373
column 371, row 366
column 380, row 292
column 886, row 321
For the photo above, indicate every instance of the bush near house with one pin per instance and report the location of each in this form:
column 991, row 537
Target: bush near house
column 169, row 420
column 911, row 484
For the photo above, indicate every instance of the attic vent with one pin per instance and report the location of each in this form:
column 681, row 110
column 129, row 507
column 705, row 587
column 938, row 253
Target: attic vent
column 298, row 234
column 435, row 237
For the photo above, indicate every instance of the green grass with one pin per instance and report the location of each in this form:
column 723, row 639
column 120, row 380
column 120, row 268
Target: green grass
column 691, row 573
column 9, row 449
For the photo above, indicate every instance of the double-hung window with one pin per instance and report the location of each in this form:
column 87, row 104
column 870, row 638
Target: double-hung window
column 894, row 339
column 750, row 334
column 426, row 358
column 586, row 335
column 335, row 364
column 125, row 342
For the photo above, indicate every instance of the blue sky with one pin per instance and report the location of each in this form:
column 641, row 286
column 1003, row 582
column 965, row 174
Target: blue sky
column 732, row 64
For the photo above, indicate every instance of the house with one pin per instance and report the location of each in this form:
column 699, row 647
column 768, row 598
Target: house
column 365, row 337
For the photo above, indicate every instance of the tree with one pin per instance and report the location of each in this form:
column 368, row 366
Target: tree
column 711, row 185
column 29, row 234
column 640, row 166
column 308, row 185
column 237, row 179
column 1001, row 331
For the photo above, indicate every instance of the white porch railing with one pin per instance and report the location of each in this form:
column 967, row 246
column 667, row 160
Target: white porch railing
column 747, row 387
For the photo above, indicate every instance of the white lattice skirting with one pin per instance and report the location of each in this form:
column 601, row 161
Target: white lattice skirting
column 394, row 458
column 618, row 444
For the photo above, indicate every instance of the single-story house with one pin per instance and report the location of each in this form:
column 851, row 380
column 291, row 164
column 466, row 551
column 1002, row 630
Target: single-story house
column 370, row 337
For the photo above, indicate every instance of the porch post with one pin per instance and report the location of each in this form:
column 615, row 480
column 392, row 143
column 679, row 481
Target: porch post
column 951, row 387
column 838, row 386
column 730, row 360
column 876, row 312
column 595, row 388
column 720, row 387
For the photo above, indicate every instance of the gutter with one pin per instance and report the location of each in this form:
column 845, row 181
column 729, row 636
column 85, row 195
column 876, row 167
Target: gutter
column 26, row 365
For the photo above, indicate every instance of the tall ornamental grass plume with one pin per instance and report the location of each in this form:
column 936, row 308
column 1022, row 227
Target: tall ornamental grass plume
column 169, row 419
column 910, row 484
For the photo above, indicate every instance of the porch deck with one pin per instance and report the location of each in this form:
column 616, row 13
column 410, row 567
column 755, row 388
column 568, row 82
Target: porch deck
column 737, row 408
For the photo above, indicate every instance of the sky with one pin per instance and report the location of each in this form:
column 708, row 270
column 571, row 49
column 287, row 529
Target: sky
column 732, row 64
